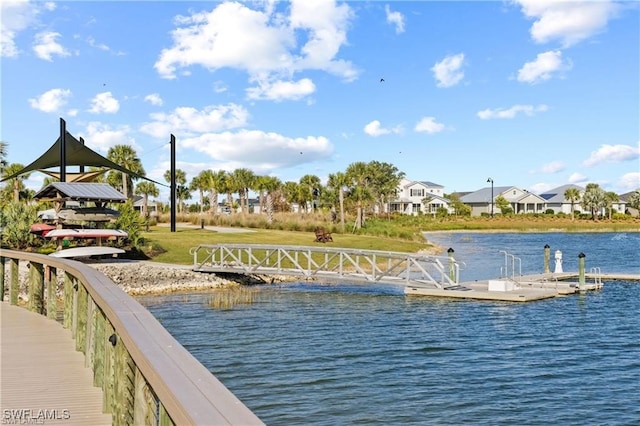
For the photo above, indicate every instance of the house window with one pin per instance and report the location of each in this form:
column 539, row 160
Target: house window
column 417, row 192
column 416, row 208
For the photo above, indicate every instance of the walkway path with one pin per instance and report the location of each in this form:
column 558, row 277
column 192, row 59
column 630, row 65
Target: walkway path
column 42, row 375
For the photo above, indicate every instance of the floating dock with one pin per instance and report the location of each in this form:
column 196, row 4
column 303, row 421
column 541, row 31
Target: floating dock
column 525, row 288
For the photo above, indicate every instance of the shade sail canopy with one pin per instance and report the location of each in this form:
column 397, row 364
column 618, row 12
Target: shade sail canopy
column 77, row 177
column 76, row 154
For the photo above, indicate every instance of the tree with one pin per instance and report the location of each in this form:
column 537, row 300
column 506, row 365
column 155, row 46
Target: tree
column 270, row 184
column 181, row 180
column 573, row 195
column 3, row 157
column 384, row 179
column 182, row 194
column 503, row 204
column 241, row 180
column 459, row 208
column 634, row 200
column 200, row 184
column 338, row 182
column 125, row 156
column 425, row 202
column 145, row 189
column 610, row 197
column 21, row 216
column 16, row 184
column 358, row 175
column 292, row 192
column 593, row 199
column 215, row 184
column 309, row 184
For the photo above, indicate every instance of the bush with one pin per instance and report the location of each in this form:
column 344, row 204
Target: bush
column 549, row 211
column 16, row 220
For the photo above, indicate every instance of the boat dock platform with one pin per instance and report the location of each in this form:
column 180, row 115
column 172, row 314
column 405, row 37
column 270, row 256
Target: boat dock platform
column 525, row 288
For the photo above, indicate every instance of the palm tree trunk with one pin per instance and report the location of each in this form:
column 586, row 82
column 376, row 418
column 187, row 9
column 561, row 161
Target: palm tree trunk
column 124, row 185
column 341, row 199
column 269, row 208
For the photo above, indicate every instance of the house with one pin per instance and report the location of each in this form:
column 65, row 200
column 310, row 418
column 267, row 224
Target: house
column 629, row 209
column 152, row 206
column 521, row 200
column 410, row 197
column 557, row 201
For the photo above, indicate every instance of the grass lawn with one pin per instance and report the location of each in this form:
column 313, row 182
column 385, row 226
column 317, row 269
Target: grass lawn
column 177, row 244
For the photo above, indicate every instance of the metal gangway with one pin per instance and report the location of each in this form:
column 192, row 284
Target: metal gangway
column 325, row 263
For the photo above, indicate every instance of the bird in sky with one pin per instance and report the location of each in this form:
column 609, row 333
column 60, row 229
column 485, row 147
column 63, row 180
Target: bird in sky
column 381, row 80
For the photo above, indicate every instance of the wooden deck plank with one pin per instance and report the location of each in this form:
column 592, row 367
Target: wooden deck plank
column 41, row 373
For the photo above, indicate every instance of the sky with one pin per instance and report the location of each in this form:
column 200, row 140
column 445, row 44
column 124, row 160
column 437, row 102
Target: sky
column 530, row 93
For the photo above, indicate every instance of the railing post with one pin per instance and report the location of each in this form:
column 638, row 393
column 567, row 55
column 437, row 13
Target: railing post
column 2, row 278
column 124, row 375
column 51, row 280
column 99, row 342
column 67, row 320
column 145, row 403
column 109, row 369
column 36, row 288
column 81, row 318
column 14, row 285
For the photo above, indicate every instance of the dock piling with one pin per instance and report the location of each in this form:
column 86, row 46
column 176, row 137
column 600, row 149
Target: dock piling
column 581, row 262
column 547, row 258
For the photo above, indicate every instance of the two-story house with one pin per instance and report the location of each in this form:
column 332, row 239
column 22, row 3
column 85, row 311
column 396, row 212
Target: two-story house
column 521, row 201
column 413, row 197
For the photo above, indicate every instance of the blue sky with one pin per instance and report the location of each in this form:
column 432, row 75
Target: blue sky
column 532, row 93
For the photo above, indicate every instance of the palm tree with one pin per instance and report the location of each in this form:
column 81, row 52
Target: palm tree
column 242, row 180
column 199, row 183
column 358, row 174
column 291, row 191
column 145, row 189
column 16, row 184
column 610, row 197
column 215, row 183
column 338, row 182
column 3, row 157
column 572, row 194
column 125, row 156
column 182, row 193
column 634, row 200
column 270, row 184
column 309, row 184
column 181, row 180
column 260, row 185
column 593, row 199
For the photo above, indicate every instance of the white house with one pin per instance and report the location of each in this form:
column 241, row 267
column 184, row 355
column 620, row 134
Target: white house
column 411, row 194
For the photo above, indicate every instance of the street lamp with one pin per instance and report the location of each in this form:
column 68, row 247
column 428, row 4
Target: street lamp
column 491, row 180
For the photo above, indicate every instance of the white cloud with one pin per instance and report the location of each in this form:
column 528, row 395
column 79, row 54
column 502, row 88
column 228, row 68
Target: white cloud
column 104, row 102
column 578, row 178
column 448, row 71
column 630, row 181
column 219, row 86
column 395, row 18
column 282, row 90
column 567, row 21
column 191, row 122
column 429, row 125
column 543, row 67
column 612, row 154
column 375, row 129
column 100, row 46
column 15, row 16
column 552, row 167
column 260, row 151
column 528, row 110
column 51, row 101
column 261, row 42
column 101, row 137
column 154, row 99
column 46, row 45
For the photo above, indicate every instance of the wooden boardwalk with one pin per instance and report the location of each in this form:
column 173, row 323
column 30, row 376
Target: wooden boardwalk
column 42, row 375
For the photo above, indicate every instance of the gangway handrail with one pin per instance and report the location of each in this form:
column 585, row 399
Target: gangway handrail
column 146, row 375
column 328, row 262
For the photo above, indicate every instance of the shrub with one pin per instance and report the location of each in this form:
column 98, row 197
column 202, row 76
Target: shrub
column 16, row 220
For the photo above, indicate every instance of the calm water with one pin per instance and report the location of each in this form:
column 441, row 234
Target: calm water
column 351, row 354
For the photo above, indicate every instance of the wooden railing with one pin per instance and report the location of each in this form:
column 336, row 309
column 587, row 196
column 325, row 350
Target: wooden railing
column 146, row 376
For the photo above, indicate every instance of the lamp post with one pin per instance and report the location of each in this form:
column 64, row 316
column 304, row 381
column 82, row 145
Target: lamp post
column 491, row 180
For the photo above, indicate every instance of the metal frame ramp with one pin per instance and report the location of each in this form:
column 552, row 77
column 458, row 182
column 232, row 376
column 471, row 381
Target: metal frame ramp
column 375, row 266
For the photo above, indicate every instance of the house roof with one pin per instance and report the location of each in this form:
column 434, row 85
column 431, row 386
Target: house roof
column 430, row 184
column 556, row 195
column 484, row 195
column 81, row 191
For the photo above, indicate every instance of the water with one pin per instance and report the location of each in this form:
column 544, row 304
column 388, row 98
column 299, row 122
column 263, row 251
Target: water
column 341, row 354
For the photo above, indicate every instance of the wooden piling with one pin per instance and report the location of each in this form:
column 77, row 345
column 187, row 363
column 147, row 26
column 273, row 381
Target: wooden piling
column 145, row 403
column 124, row 385
column 67, row 319
column 81, row 318
column 51, row 282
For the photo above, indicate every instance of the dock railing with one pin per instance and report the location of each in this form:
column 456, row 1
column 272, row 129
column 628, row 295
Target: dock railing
column 147, row 377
